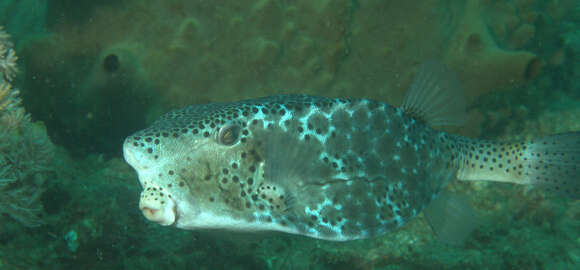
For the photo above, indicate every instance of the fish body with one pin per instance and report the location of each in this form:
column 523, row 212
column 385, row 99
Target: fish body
column 328, row 168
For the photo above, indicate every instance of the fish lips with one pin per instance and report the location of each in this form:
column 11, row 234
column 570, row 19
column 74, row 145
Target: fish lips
column 157, row 208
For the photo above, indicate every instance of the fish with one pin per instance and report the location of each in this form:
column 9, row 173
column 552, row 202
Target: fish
column 329, row 168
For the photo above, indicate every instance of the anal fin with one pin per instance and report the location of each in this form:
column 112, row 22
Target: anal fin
column 452, row 218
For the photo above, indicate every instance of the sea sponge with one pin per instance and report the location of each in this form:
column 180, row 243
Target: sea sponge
column 481, row 64
column 175, row 53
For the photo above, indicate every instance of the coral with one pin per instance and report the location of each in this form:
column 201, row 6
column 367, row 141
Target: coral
column 7, row 57
column 25, row 150
column 8, row 95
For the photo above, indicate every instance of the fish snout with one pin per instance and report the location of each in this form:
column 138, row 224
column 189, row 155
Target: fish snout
column 157, row 207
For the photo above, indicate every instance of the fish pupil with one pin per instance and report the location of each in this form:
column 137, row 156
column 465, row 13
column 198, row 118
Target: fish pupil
column 228, row 134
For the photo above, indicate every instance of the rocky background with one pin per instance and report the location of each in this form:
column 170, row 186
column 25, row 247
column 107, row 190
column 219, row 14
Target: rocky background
column 92, row 72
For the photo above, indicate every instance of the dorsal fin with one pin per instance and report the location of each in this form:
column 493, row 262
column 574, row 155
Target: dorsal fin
column 435, row 96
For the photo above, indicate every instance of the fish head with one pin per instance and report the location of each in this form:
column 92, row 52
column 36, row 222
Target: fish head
column 193, row 168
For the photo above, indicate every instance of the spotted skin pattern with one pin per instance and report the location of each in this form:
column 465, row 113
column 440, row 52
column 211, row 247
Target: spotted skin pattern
column 334, row 169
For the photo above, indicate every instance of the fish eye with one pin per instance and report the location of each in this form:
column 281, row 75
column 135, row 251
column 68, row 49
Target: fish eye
column 228, row 134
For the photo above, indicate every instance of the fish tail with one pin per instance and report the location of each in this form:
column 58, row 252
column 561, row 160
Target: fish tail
column 549, row 163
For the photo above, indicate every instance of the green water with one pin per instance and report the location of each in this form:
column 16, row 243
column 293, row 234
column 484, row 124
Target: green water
column 92, row 72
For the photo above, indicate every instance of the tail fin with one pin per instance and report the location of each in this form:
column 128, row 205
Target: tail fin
column 549, row 163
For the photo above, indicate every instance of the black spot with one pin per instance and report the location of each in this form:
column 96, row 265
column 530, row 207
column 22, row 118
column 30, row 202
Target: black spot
column 111, row 63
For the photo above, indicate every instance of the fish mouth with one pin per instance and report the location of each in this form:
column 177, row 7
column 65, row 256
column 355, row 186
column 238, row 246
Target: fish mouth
column 159, row 210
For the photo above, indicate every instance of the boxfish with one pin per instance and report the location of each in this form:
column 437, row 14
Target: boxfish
column 329, row 168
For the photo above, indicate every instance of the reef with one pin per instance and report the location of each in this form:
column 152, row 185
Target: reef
column 92, row 72
column 25, row 150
